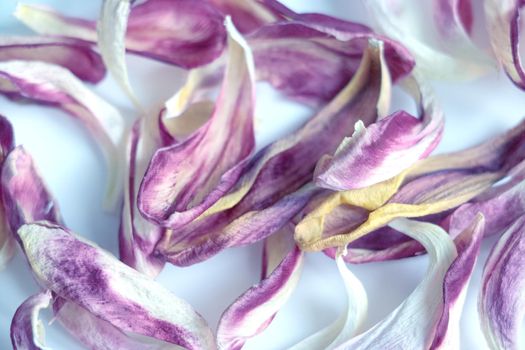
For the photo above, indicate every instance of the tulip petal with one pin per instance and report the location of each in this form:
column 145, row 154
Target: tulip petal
column 254, row 310
column 7, row 243
column 182, row 32
column 351, row 320
column 74, row 55
column 183, row 180
column 501, row 304
column 50, row 84
column 503, row 23
column 27, row 330
column 109, row 289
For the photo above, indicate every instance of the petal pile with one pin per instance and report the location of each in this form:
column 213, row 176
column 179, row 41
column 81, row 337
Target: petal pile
column 356, row 181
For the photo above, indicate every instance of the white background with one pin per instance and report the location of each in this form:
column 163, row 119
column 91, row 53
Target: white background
column 75, row 172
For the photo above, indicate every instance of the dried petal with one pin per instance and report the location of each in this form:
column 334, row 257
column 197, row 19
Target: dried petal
column 504, row 25
column 7, row 243
column 74, row 55
column 254, row 310
column 501, row 304
column 27, row 330
column 109, row 289
column 50, row 84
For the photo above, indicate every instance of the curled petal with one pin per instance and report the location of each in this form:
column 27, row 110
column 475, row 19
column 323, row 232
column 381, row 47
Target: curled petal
column 351, row 320
column 501, row 304
column 254, row 310
column 182, row 32
column 50, row 84
column 25, row 195
column 7, row 243
column 247, row 15
column 504, row 25
column 382, row 150
column 407, row 327
column 184, row 180
column 446, row 46
column 451, row 16
column 74, row 55
column 109, row 289
column 27, row 330
column 111, row 34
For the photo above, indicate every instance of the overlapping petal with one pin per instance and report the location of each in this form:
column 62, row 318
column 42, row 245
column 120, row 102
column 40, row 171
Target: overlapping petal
column 501, row 303
column 7, row 243
column 27, row 330
column 50, row 84
column 109, row 289
column 254, row 310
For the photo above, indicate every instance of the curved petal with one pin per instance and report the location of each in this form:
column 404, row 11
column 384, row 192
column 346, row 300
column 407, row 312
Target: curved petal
column 186, row 33
column 503, row 22
column 74, row 55
column 501, row 303
column 184, row 180
column 407, row 327
column 7, row 243
column 254, row 310
column 109, row 289
column 27, row 331
column 351, row 320
column 383, row 149
column 49, row 84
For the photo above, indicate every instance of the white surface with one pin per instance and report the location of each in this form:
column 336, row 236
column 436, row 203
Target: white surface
column 75, row 172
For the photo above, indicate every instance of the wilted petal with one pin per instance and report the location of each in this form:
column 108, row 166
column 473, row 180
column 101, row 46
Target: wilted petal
column 384, row 149
column 407, row 327
column 247, row 15
column 452, row 16
column 109, row 289
column 24, row 193
column 254, row 310
column 183, row 180
column 111, row 34
column 50, row 84
column 186, row 33
column 7, row 243
column 27, row 330
column 439, row 53
column 501, row 303
column 504, row 26
column 351, row 320
column 74, row 55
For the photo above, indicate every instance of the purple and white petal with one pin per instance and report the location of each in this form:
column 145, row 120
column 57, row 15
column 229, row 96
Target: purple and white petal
column 254, row 310
column 110, row 290
column 50, row 84
column 501, row 303
column 27, row 330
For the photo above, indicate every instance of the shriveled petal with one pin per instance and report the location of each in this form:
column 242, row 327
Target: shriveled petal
column 111, row 35
column 501, row 303
column 407, row 327
column 184, row 180
column 384, row 149
column 98, row 334
column 7, row 243
column 27, row 330
column 251, row 210
column 247, row 15
column 254, row 310
column 440, row 53
column 75, row 55
column 351, row 320
column 186, row 33
column 50, row 84
column 432, row 186
column 504, row 26
column 109, row 289
column 24, row 193
column 456, row 283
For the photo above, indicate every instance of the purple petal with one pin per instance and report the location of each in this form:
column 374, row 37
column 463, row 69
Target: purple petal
column 504, row 26
column 109, row 289
column 50, row 84
column 254, row 310
column 7, row 243
column 27, row 331
column 501, row 303
column 186, row 33
column 184, row 180
column 74, row 55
